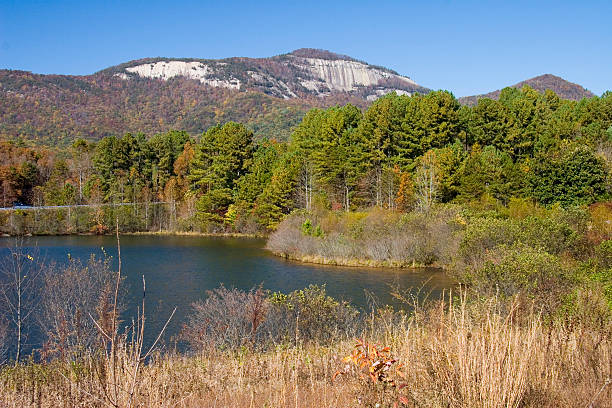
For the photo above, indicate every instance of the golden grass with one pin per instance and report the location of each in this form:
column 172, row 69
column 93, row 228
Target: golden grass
column 452, row 357
column 353, row 262
column 196, row 234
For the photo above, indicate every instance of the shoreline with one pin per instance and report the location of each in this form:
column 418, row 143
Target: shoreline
column 195, row 234
column 353, row 263
column 148, row 233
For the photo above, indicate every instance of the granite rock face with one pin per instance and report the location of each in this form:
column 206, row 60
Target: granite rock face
column 301, row 73
column 193, row 70
column 347, row 76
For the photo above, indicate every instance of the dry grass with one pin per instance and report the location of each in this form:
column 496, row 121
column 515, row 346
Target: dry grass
column 468, row 355
column 374, row 238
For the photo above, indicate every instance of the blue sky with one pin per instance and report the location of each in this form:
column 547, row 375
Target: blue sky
column 467, row 47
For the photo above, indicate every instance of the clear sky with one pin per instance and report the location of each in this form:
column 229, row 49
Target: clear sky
column 467, row 47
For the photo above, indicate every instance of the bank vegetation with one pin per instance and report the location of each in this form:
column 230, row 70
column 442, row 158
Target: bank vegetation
column 528, row 325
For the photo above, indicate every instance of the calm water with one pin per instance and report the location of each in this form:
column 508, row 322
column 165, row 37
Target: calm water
column 180, row 269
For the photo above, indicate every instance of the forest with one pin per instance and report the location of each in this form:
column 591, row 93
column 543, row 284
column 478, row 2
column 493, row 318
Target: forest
column 402, row 153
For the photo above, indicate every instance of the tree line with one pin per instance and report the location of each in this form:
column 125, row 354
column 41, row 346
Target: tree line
column 403, row 152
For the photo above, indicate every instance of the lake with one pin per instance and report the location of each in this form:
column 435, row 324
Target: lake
column 180, row 269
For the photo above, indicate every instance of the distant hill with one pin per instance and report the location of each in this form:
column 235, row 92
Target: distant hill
column 270, row 95
column 563, row 88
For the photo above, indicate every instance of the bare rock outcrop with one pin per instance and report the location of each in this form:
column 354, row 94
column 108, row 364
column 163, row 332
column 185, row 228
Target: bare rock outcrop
column 301, row 73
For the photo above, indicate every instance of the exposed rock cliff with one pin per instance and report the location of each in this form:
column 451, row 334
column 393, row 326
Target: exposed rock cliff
column 303, row 72
column 192, row 70
column 348, row 76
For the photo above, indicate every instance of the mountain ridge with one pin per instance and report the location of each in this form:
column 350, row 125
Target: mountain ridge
column 153, row 95
column 562, row 87
column 300, row 73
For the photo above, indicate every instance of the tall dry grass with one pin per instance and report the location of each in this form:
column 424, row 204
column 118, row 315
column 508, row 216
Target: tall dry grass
column 471, row 354
column 377, row 237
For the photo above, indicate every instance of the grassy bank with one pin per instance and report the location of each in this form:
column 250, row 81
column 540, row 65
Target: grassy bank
column 466, row 355
column 351, row 262
column 196, row 234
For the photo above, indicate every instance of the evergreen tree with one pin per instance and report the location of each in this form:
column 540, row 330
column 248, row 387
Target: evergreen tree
column 409, row 139
column 490, row 124
column 341, row 157
column 449, row 161
column 571, row 176
column 529, row 113
column 276, row 199
column 381, row 127
column 304, row 141
column 165, row 148
column 260, row 172
column 439, row 120
column 489, row 171
column 223, row 156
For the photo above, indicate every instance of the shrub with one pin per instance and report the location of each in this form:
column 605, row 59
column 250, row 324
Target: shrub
column 601, row 221
column 520, row 269
column 603, row 254
column 552, row 235
column 312, row 316
column 485, row 233
column 523, row 207
column 229, row 319
column 599, row 270
column 72, row 297
column 4, row 339
column 309, row 229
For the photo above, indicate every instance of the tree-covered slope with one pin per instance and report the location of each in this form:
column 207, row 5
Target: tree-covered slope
column 55, row 110
column 269, row 95
column 564, row 89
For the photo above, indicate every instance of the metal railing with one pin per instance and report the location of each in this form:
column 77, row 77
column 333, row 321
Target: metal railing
column 56, row 207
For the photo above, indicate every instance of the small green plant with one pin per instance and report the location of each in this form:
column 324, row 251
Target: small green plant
column 231, row 215
column 309, row 229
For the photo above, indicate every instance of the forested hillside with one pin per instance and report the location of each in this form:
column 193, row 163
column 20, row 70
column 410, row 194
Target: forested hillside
column 268, row 95
column 403, row 152
column 56, row 110
column 564, row 89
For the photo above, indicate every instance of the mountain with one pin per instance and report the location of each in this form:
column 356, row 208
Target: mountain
column 304, row 72
column 270, row 95
column 564, row 89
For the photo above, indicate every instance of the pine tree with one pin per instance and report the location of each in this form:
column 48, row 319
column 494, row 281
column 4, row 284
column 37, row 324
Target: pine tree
column 340, row 159
column 305, row 140
column 276, row 199
column 381, row 127
column 221, row 158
